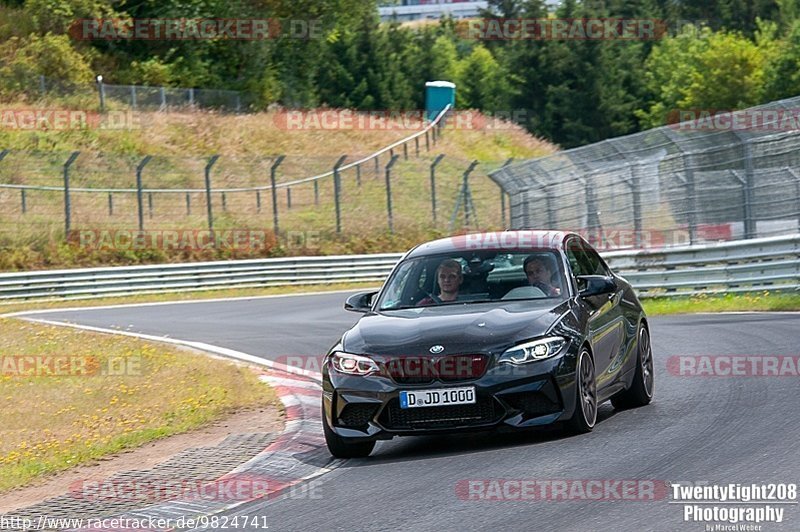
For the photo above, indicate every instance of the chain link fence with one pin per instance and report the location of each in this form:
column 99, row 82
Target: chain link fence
column 144, row 97
column 724, row 176
column 54, row 195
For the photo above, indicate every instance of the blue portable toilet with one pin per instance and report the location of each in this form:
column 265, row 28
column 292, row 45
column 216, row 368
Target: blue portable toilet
column 438, row 94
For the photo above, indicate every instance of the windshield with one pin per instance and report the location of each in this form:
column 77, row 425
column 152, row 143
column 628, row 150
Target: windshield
column 474, row 277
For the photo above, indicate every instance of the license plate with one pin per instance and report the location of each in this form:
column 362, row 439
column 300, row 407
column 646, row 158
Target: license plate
column 438, row 397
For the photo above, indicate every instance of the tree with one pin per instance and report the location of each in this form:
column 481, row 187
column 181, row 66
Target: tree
column 23, row 60
column 483, row 84
column 702, row 70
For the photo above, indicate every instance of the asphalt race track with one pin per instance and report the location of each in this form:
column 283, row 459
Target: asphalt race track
column 714, row 430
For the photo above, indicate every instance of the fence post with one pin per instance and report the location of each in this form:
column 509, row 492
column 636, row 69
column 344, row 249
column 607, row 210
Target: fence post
column 337, row 192
column 750, row 223
column 163, row 95
column 796, row 177
column 191, row 97
column 358, row 174
column 188, row 205
column 101, row 91
column 110, row 205
column 258, row 201
column 377, row 166
column 272, row 170
column 634, row 183
column 467, row 194
column 150, row 205
column 747, row 211
column 224, row 202
column 133, row 96
column 416, row 146
column 389, row 193
column 316, row 192
column 464, row 196
column 503, row 196
column 427, row 142
column 42, row 87
column 405, row 150
column 592, row 218
column 691, row 200
column 211, row 161
column 288, row 197
column 67, row 204
column 434, row 164
column 139, row 169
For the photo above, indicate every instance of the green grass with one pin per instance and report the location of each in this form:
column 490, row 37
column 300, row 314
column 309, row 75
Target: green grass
column 50, row 423
column 181, row 143
column 750, row 302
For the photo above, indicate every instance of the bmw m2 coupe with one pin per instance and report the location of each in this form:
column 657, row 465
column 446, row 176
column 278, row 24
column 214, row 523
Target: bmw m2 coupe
column 488, row 331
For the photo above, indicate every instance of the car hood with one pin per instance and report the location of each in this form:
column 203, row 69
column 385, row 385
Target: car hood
column 472, row 328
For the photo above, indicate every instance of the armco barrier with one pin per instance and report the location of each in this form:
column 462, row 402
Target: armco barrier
column 742, row 266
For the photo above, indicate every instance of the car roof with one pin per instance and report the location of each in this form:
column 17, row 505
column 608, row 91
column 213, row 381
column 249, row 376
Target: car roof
column 522, row 240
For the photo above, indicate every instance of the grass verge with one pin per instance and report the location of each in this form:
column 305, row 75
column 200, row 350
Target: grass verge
column 7, row 308
column 748, row 302
column 104, row 394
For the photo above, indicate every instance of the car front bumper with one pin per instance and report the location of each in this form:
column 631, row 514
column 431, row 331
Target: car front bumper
column 507, row 397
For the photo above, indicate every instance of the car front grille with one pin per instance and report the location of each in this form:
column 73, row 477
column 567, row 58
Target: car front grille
column 532, row 403
column 357, row 415
column 425, row 370
column 482, row 412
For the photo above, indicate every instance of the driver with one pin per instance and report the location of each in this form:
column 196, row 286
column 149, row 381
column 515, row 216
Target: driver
column 539, row 270
column 449, row 276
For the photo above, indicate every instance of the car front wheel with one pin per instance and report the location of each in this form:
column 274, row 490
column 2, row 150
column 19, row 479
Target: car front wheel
column 585, row 415
column 342, row 447
column 641, row 391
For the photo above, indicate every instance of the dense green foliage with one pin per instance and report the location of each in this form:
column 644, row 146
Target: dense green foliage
column 716, row 54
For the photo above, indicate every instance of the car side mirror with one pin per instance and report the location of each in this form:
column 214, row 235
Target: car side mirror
column 360, row 302
column 595, row 285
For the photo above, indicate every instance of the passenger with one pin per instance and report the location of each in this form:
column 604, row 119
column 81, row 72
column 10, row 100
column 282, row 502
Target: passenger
column 539, row 270
column 449, row 276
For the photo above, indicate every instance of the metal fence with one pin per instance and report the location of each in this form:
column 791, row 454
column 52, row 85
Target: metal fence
column 754, row 265
column 402, row 187
column 144, row 97
column 727, row 177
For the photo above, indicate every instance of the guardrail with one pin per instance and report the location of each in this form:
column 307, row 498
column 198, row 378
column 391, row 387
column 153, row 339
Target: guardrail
column 742, row 266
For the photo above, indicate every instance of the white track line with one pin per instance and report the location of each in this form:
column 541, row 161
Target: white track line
column 221, row 351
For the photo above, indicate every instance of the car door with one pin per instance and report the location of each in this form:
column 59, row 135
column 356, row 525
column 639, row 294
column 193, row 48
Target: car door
column 606, row 324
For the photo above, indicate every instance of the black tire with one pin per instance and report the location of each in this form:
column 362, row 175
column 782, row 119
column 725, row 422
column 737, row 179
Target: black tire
column 342, row 447
column 585, row 415
column 641, row 391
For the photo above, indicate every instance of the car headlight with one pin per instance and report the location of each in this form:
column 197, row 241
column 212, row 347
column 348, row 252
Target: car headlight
column 351, row 364
column 532, row 351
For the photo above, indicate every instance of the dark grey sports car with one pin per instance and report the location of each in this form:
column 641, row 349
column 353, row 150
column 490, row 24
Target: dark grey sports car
column 506, row 330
